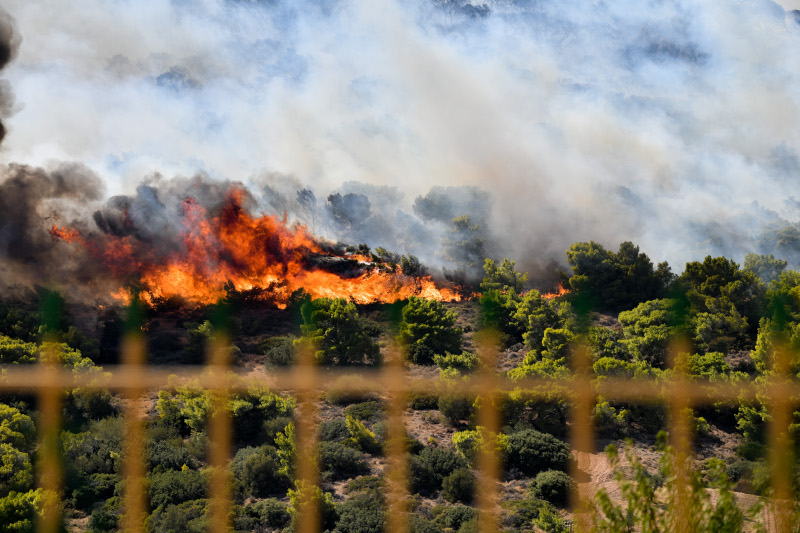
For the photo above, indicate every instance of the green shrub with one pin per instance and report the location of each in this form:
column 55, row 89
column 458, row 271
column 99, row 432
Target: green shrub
column 257, row 473
column 363, row 483
column 367, row 411
column 362, row 513
column 428, row 329
column 174, row 487
column 417, row 524
column 339, row 335
column 422, row 401
column 262, row 515
column 453, row 516
column 525, row 511
column 323, row 501
column 431, row 466
column 333, row 430
column 168, row 455
column 345, row 391
column 609, row 421
column 186, row 517
column 273, row 426
column 278, row 351
column 531, row 452
column 459, row 486
column 106, row 518
column 463, row 362
column 468, row 442
column 337, row 461
column 361, row 438
column 553, row 486
column 455, row 407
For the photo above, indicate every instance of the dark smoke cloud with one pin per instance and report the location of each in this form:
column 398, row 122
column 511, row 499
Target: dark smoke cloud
column 32, row 200
column 9, row 44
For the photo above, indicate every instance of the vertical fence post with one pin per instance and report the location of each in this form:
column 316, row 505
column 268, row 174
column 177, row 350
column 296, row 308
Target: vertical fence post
column 582, row 429
column 220, row 427
column 680, row 421
column 487, row 342
column 134, row 358
column 780, row 450
column 50, row 405
column 396, row 443
column 307, row 474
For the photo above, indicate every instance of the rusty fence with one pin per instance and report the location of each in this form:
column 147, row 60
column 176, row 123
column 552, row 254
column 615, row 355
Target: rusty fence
column 133, row 379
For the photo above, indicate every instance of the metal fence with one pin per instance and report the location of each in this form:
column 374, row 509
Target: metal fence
column 133, row 379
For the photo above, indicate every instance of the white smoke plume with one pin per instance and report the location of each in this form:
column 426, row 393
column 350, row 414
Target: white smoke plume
column 671, row 123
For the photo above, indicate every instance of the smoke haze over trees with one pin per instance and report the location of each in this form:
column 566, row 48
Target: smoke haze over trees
column 673, row 125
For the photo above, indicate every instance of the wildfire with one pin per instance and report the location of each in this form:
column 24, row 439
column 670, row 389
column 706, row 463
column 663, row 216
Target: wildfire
column 551, row 295
column 234, row 249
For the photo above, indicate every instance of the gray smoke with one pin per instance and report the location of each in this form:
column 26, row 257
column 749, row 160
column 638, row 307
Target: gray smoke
column 670, row 123
column 9, row 44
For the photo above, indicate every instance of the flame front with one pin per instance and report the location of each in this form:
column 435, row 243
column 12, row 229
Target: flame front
column 235, row 249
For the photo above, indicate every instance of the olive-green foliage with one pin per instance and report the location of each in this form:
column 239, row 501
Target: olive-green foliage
column 453, row 517
column 463, row 362
column 278, row 351
column 189, row 407
column 340, row 336
column 531, row 452
column 16, row 428
column 19, row 320
column 431, row 466
column 16, row 472
column 163, row 455
column 176, row 486
column 459, row 486
column 605, row 342
column 185, row 517
column 766, row 267
column 502, row 277
column 106, row 517
column 19, row 510
column 553, row 486
column 256, row 472
column 361, row 438
column 287, row 449
column 428, row 329
column 652, row 512
column 15, row 351
column 262, row 515
column 368, row 411
column 469, row 442
column 333, row 430
column 363, row 483
column 363, row 512
column 534, row 316
column 718, row 286
column 417, row 524
column 456, row 407
column 337, row 461
column 328, row 515
column 526, row 511
column 95, row 451
column 611, row 421
column 422, row 401
column 615, row 281
column 648, row 330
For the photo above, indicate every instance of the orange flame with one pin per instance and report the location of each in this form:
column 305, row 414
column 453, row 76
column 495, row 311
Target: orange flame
column 248, row 253
column 551, row 295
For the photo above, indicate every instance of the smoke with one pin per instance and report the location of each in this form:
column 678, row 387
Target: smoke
column 670, row 123
column 9, row 44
